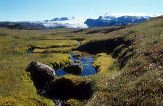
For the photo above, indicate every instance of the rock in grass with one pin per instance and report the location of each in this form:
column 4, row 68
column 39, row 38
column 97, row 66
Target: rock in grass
column 42, row 68
column 73, row 69
column 41, row 74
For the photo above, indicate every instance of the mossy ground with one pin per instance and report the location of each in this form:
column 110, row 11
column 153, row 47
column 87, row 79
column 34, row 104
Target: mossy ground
column 16, row 87
column 134, row 75
column 103, row 62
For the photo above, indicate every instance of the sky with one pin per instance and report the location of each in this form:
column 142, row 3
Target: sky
column 37, row 10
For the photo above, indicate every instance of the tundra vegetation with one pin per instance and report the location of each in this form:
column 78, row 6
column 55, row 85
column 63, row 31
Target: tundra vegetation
column 128, row 62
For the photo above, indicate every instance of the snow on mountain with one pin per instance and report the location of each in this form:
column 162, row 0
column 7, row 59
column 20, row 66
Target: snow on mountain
column 114, row 16
column 109, row 19
column 65, row 22
column 118, row 19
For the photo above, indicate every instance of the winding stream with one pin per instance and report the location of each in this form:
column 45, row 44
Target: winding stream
column 85, row 61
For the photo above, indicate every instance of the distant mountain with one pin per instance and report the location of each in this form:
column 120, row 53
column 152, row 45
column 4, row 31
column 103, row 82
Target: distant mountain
column 65, row 22
column 80, row 23
column 22, row 25
column 116, row 21
column 60, row 19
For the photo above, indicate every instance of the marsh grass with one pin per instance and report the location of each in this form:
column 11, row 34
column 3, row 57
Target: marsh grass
column 16, row 87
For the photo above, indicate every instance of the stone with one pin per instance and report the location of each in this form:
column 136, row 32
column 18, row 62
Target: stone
column 40, row 67
column 41, row 74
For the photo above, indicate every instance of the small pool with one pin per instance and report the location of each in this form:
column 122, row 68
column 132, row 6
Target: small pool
column 85, row 61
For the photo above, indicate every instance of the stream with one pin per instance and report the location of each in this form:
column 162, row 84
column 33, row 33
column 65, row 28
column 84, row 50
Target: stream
column 85, row 61
column 88, row 69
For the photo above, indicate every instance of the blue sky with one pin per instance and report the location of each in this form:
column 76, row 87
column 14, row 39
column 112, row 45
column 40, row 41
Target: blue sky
column 32, row 10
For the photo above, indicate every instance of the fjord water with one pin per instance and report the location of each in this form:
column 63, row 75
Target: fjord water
column 85, row 61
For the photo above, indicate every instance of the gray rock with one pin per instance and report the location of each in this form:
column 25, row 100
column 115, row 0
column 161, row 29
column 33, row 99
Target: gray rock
column 40, row 67
column 41, row 74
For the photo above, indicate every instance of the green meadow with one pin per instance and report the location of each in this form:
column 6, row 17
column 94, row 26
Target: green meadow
column 128, row 63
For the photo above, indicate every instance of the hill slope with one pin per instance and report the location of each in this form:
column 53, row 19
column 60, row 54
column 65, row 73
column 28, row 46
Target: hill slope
column 139, row 53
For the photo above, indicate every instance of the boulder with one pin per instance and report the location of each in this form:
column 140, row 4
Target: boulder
column 41, row 74
column 73, row 69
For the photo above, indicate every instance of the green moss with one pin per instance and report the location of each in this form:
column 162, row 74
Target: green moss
column 103, row 62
